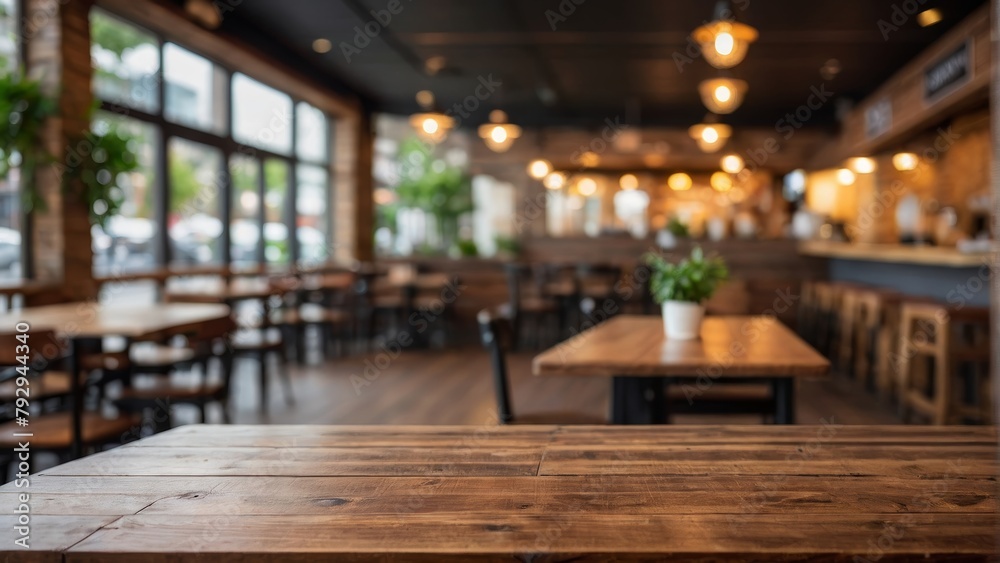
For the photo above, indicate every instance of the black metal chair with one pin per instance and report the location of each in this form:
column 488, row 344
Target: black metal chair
column 526, row 304
column 497, row 334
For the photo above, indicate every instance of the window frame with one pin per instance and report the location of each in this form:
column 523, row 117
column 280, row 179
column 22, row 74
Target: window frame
column 228, row 147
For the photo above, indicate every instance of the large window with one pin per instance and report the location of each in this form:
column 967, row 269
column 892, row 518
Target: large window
column 244, row 224
column 128, row 242
column 10, row 197
column 194, row 90
column 245, row 166
column 126, row 63
column 196, row 184
column 262, row 116
column 9, row 36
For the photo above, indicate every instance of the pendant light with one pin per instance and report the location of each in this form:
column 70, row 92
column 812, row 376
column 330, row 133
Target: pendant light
column 679, row 182
column 722, row 95
column 431, row 126
column 498, row 134
column 539, row 168
column 710, row 136
column 732, row 163
column 724, row 41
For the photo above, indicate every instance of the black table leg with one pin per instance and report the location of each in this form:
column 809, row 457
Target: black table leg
column 638, row 400
column 784, row 400
column 76, row 397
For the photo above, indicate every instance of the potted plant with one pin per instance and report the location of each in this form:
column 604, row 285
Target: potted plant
column 682, row 288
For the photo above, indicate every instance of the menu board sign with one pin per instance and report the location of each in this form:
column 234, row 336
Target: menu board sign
column 948, row 72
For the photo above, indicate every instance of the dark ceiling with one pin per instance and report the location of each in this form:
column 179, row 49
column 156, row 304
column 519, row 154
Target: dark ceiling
column 608, row 58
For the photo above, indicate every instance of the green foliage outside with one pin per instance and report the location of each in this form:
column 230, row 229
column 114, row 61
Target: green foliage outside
column 431, row 185
column 694, row 279
column 24, row 107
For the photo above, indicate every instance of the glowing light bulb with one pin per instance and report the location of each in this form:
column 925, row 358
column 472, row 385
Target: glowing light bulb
column 723, row 93
column 539, row 169
column 429, row 126
column 724, row 43
column 554, row 181
column 845, row 177
column 732, row 163
column 498, row 134
column 710, row 135
column 587, row 187
column 628, row 182
column 679, row 182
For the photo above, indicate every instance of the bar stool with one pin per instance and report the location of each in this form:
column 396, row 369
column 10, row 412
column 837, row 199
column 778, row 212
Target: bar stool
column 954, row 344
column 808, row 312
column 876, row 318
column 827, row 299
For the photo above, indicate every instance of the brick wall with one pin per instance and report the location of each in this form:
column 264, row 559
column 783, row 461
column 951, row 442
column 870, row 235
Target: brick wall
column 57, row 38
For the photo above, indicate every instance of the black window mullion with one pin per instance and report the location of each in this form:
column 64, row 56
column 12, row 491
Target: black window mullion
column 292, row 205
column 261, row 219
column 162, row 204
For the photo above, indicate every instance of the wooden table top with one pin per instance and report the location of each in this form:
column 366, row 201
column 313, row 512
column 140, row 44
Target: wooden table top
column 440, row 493
column 218, row 291
column 88, row 319
column 730, row 346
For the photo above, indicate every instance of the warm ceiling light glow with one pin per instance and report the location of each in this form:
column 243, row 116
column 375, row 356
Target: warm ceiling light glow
column 710, row 137
column 861, row 165
column 590, row 159
column 432, row 127
column 425, row 98
column 721, row 182
column 586, row 187
column 845, row 177
column 498, row 134
column 732, row 163
column 679, row 182
column 724, row 43
column 554, row 181
column 322, row 45
column 628, row 182
column 928, row 18
column 539, row 168
column 904, row 161
column 722, row 95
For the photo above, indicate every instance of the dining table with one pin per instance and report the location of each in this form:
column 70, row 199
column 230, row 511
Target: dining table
column 302, row 493
column 642, row 363
column 87, row 323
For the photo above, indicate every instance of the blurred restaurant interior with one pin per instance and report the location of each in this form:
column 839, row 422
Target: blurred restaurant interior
column 448, row 280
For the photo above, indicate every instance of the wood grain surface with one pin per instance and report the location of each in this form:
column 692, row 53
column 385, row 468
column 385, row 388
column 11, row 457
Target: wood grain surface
column 730, row 346
column 542, row 493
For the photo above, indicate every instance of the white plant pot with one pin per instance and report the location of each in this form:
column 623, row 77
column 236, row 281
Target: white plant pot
column 682, row 319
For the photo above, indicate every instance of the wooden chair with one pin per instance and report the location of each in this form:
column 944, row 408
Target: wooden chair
column 943, row 363
column 497, row 332
column 209, row 342
column 51, row 428
column 527, row 306
column 302, row 309
column 259, row 340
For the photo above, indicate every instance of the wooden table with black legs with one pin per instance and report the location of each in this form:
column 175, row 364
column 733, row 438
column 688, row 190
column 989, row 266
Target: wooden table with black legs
column 642, row 362
column 87, row 323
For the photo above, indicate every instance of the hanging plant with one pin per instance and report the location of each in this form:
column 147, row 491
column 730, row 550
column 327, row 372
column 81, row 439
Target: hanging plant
column 102, row 161
column 24, row 107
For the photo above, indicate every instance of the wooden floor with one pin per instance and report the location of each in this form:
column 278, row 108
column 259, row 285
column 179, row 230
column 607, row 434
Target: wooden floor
column 455, row 387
